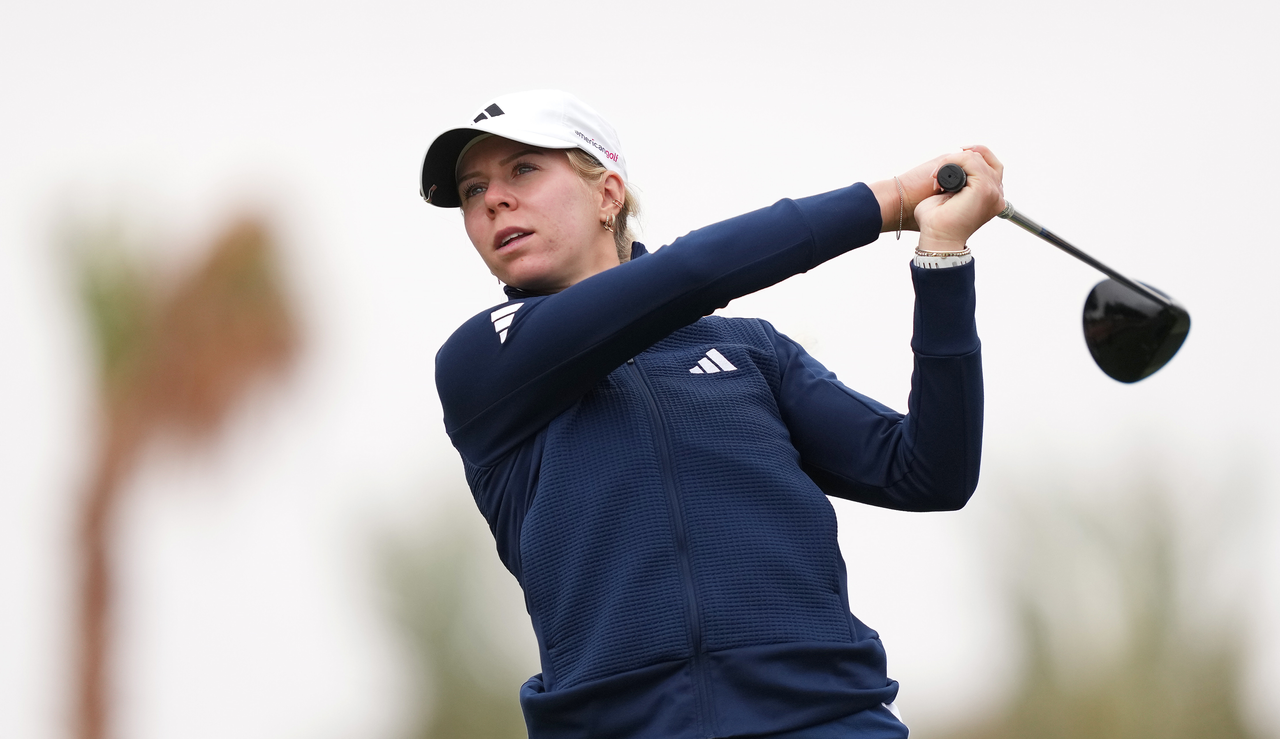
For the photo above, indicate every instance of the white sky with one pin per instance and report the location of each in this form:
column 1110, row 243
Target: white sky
column 1143, row 133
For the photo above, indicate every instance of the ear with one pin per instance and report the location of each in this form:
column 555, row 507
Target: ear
column 611, row 189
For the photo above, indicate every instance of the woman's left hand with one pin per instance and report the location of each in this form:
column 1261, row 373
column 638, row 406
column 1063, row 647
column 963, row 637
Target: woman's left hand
column 947, row 220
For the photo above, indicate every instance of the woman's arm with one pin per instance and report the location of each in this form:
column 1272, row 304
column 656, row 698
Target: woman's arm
column 508, row 372
column 500, row 386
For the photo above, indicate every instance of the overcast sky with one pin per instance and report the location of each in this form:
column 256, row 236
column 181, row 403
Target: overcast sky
column 1145, row 134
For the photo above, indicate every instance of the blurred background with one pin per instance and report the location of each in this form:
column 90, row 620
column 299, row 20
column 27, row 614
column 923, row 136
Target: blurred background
column 227, row 503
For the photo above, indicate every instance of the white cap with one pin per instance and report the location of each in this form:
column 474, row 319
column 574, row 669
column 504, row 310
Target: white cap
column 550, row 119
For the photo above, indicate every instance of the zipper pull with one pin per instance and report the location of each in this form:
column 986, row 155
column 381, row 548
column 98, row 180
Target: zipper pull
column 631, row 360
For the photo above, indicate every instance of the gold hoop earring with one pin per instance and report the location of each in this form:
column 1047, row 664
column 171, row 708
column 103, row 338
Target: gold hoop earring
column 608, row 223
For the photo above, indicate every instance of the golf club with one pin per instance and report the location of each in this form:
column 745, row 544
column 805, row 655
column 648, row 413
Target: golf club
column 1131, row 329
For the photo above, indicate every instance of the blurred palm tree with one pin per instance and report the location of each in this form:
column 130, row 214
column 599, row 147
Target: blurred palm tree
column 169, row 360
column 1124, row 577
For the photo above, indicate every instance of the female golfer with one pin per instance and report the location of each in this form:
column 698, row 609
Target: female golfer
column 655, row 476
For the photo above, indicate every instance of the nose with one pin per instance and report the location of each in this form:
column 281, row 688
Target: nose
column 497, row 196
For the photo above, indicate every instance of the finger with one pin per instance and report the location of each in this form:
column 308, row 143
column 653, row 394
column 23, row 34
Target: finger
column 978, row 163
column 977, row 167
column 989, row 157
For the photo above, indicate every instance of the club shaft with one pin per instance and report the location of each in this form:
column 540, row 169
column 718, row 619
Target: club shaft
column 1026, row 223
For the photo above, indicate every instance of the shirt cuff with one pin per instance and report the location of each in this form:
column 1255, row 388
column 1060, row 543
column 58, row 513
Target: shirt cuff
column 945, row 302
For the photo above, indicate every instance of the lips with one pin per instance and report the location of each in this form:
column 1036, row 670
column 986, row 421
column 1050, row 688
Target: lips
column 508, row 238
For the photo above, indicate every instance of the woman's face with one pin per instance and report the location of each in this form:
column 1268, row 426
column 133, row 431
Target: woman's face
column 535, row 222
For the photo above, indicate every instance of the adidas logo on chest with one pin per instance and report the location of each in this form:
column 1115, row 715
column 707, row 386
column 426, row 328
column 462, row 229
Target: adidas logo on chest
column 502, row 319
column 712, row 363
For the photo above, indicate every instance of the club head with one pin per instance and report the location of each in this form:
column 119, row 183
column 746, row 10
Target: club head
column 1130, row 335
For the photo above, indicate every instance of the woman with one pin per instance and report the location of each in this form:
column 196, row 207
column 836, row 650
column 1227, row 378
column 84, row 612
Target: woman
column 655, row 477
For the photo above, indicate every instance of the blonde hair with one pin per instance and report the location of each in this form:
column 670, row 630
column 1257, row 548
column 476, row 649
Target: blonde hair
column 590, row 169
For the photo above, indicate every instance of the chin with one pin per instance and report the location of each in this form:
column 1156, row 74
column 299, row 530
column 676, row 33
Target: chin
column 533, row 279
column 532, row 282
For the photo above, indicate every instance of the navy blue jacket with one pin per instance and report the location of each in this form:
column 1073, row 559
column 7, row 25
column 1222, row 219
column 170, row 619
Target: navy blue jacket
column 654, row 477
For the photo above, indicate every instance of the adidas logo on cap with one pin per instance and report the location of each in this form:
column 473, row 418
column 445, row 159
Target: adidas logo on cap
column 489, row 112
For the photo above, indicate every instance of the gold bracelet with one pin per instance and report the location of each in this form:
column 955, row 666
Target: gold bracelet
column 924, row 253
column 902, row 206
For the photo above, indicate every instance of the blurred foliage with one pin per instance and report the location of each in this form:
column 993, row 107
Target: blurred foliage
column 471, row 687
column 180, row 354
column 119, row 306
column 1117, row 637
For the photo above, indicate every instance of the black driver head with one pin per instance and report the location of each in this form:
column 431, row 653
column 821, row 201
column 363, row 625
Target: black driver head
column 1130, row 335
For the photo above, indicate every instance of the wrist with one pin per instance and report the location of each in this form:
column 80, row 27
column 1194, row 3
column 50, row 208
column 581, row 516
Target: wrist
column 886, row 192
column 893, row 207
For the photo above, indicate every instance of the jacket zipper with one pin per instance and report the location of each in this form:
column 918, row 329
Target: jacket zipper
column 692, row 614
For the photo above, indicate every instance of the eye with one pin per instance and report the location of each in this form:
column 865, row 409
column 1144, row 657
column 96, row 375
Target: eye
column 523, row 168
column 472, row 190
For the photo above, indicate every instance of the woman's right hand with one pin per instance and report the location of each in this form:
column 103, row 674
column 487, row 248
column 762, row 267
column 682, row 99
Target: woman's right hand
column 947, row 220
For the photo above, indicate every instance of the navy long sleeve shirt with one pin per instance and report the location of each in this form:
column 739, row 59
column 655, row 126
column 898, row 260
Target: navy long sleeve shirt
column 655, row 478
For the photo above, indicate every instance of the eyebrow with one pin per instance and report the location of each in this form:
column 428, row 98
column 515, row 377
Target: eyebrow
column 504, row 162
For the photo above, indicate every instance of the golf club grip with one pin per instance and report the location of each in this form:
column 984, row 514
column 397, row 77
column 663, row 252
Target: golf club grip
column 951, row 178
